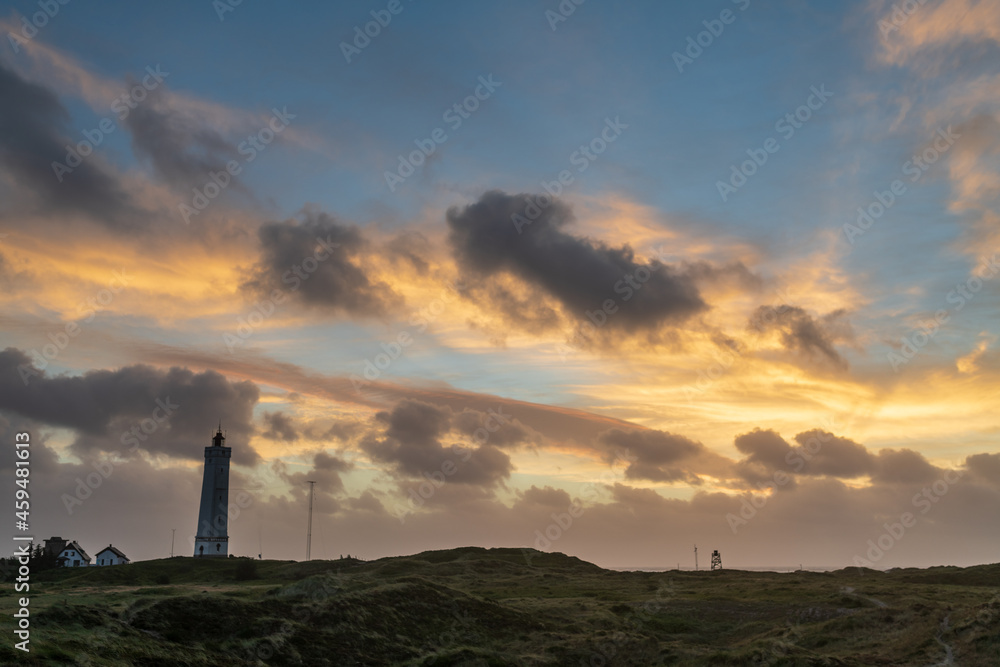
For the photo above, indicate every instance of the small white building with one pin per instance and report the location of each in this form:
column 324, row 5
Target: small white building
column 110, row 556
column 73, row 555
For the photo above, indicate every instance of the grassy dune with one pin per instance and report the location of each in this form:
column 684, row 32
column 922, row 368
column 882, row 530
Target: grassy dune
column 475, row 606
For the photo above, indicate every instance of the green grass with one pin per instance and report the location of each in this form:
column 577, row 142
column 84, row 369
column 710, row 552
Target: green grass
column 475, row 606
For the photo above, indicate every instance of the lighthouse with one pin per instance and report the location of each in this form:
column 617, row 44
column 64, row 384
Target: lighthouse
column 212, row 537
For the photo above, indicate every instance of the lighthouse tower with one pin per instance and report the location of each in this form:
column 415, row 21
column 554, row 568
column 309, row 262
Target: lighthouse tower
column 212, row 537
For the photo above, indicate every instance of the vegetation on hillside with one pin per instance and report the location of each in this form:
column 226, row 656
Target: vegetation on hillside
column 493, row 607
column 39, row 561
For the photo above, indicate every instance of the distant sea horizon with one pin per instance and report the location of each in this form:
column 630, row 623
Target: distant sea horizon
column 775, row 568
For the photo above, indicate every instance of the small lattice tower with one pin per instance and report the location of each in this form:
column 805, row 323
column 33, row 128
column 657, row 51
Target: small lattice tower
column 716, row 560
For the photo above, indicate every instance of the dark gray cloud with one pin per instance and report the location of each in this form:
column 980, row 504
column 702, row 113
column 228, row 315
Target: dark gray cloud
column 280, row 427
column 820, row 453
column 340, row 430
column 44, row 460
column 764, row 446
column 413, row 247
column 578, row 272
column 827, row 454
column 34, row 134
column 514, row 433
column 766, row 452
column 546, row 496
column 325, row 472
column 420, row 424
column 412, row 441
column 903, row 466
column 181, row 149
column 170, row 412
column 643, row 500
column 985, row 467
column 317, row 261
column 366, row 502
column 324, row 461
column 653, row 455
column 734, row 273
column 801, row 333
column 534, row 313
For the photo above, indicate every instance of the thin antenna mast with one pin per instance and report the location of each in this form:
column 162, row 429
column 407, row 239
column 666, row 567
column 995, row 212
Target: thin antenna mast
column 172, row 532
column 309, row 533
column 696, row 558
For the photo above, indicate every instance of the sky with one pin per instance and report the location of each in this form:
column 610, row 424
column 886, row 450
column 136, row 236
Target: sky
column 609, row 279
